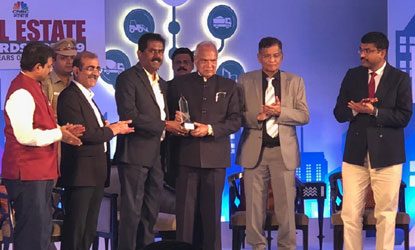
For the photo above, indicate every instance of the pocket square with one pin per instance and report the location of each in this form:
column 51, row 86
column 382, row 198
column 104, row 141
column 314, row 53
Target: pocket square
column 219, row 95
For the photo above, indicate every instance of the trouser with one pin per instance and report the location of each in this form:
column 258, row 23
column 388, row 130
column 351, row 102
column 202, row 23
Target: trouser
column 31, row 201
column 140, row 198
column 271, row 167
column 199, row 189
column 82, row 206
column 385, row 183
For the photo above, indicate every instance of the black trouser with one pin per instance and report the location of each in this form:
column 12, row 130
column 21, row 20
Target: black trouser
column 81, row 206
column 140, row 200
column 31, row 201
column 199, row 189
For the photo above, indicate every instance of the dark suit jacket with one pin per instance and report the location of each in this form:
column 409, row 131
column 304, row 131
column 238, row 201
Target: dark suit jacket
column 137, row 102
column 215, row 102
column 87, row 165
column 381, row 136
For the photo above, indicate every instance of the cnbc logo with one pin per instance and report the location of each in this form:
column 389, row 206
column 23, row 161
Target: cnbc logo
column 20, row 9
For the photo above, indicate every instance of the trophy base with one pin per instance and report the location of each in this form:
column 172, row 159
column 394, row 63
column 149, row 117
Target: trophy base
column 189, row 126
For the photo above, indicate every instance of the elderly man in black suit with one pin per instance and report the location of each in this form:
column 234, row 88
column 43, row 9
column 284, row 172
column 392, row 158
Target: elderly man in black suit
column 376, row 99
column 85, row 169
column 205, row 152
column 140, row 96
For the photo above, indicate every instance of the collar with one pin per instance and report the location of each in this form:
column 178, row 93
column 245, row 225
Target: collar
column 265, row 76
column 56, row 79
column 204, row 78
column 380, row 70
column 151, row 77
column 26, row 75
column 86, row 92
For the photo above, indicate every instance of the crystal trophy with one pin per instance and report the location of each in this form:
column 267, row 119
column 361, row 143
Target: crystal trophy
column 184, row 109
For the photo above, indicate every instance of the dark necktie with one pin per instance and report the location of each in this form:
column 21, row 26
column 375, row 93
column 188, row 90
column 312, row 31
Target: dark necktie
column 372, row 85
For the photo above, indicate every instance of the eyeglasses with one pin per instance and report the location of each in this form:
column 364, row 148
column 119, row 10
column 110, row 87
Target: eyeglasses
column 91, row 69
column 366, row 51
column 268, row 57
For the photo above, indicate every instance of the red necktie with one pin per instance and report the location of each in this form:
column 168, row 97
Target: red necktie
column 372, row 85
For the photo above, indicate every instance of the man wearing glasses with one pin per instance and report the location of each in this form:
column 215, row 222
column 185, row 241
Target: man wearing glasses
column 85, row 169
column 376, row 99
column 274, row 104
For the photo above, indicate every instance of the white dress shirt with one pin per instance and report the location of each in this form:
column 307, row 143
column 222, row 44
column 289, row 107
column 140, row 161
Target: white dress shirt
column 89, row 95
column 378, row 76
column 154, row 81
column 20, row 108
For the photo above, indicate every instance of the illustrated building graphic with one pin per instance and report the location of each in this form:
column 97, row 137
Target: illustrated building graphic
column 405, row 47
column 313, row 167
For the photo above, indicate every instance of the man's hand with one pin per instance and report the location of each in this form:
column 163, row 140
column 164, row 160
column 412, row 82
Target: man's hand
column 120, row 127
column 75, row 129
column 370, row 100
column 262, row 117
column 201, row 130
column 273, row 109
column 176, row 128
column 68, row 137
column 365, row 106
column 179, row 117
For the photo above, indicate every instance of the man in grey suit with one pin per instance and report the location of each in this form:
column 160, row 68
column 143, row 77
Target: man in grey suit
column 274, row 102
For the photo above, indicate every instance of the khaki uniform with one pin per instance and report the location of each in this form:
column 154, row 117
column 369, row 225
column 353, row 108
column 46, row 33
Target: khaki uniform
column 52, row 87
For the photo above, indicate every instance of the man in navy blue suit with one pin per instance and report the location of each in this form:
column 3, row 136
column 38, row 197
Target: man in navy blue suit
column 376, row 99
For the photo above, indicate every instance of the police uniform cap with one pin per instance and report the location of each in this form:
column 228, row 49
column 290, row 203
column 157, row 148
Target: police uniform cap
column 65, row 47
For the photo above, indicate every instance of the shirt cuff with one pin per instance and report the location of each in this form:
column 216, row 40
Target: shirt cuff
column 375, row 112
column 210, row 129
column 59, row 134
column 354, row 113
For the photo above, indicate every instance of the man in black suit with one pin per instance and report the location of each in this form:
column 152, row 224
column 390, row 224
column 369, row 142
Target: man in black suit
column 376, row 100
column 140, row 97
column 182, row 63
column 84, row 169
column 205, row 152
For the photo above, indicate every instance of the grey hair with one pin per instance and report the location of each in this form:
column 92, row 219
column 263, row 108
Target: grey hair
column 204, row 44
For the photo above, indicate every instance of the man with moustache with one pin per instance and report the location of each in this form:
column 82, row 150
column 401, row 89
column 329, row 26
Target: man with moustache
column 182, row 64
column 204, row 152
column 85, row 169
column 376, row 99
column 140, row 96
column 182, row 61
column 29, row 165
column 61, row 75
column 274, row 104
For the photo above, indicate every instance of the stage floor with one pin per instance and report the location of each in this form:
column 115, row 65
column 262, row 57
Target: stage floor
column 369, row 243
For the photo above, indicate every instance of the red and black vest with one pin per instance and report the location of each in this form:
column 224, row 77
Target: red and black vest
column 21, row 162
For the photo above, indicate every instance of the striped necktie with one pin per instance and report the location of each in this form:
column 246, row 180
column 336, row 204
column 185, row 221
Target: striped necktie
column 271, row 125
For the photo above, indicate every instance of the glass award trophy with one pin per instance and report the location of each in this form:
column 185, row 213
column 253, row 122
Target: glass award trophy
column 184, row 109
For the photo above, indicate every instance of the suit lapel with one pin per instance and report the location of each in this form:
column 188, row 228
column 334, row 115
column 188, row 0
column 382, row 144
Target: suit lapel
column 143, row 76
column 361, row 87
column 85, row 102
column 257, row 81
column 284, row 87
column 100, row 113
column 384, row 84
column 163, row 88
